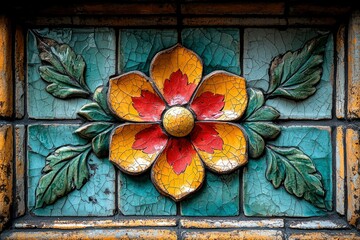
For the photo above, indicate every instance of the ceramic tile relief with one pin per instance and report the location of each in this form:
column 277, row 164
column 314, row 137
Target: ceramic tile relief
column 97, row 48
column 261, row 199
column 173, row 133
column 219, row 48
column 262, row 45
column 95, row 198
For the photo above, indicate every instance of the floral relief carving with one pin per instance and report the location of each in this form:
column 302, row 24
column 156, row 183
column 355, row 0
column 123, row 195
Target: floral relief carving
column 179, row 123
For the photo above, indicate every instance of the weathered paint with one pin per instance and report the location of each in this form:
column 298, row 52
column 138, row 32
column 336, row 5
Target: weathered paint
column 19, row 201
column 340, row 72
column 81, row 224
column 19, row 74
column 209, row 223
column 91, row 234
column 6, row 83
column 340, row 171
column 6, row 173
column 234, row 235
column 353, row 175
column 319, row 224
column 353, row 110
column 323, row 236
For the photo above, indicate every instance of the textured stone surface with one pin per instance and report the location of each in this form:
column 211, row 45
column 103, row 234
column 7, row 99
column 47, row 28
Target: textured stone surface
column 6, row 83
column 262, row 199
column 138, row 196
column 340, row 171
column 19, row 73
column 353, row 110
column 340, row 72
column 262, row 45
column 6, row 173
column 207, row 223
column 353, row 175
column 324, row 236
column 19, row 170
column 81, row 224
column 219, row 196
column 129, row 233
column 95, row 198
column 319, row 224
column 95, row 45
column 219, row 48
column 234, row 235
column 139, row 46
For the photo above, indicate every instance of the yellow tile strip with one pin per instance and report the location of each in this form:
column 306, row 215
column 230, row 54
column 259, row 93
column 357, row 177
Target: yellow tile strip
column 6, row 174
column 92, row 234
column 354, row 66
column 353, row 175
column 6, row 83
column 81, row 224
column 209, row 223
column 340, row 171
column 234, row 235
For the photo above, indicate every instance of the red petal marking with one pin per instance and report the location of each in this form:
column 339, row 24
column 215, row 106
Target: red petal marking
column 149, row 106
column 150, row 140
column 208, row 106
column 179, row 153
column 206, row 138
column 177, row 90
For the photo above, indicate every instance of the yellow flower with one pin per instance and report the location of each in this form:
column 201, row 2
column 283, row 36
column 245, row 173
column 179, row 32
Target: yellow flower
column 177, row 122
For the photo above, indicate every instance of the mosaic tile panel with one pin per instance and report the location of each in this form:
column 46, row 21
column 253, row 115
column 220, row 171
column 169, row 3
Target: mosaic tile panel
column 219, row 48
column 95, row 198
column 219, row 196
column 95, row 45
column 261, row 199
column 262, row 45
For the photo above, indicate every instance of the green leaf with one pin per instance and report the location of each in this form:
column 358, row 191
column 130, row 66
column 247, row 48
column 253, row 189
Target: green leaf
column 265, row 129
column 64, row 91
column 295, row 74
column 93, row 112
column 65, row 170
column 100, row 96
column 66, row 69
column 256, row 143
column 100, row 144
column 256, row 110
column 91, row 130
column 296, row 171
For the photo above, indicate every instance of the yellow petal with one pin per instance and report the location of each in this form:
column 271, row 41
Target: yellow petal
column 132, row 97
column 228, row 85
column 231, row 154
column 178, row 182
column 173, row 59
column 131, row 153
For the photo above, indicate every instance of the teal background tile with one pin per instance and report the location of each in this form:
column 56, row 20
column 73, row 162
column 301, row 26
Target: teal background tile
column 219, row 196
column 95, row 198
column 219, row 48
column 139, row 46
column 95, row 45
column 260, row 198
column 138, row 196
column 262, row 45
